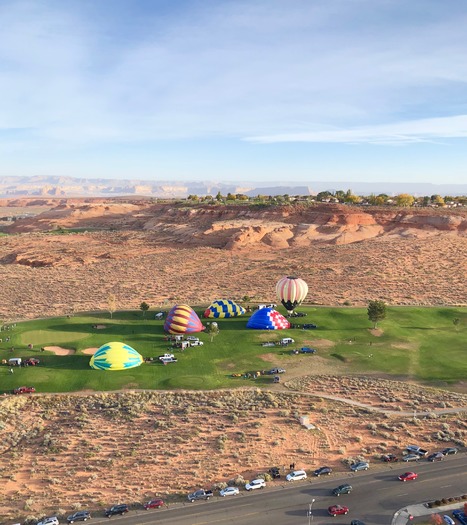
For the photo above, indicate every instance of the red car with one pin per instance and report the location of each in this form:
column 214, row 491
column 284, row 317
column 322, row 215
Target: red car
column 32, row 361
column 24, row 390
column 335, row 510
column 154, row 504
column 407, row 476
column 390, row 458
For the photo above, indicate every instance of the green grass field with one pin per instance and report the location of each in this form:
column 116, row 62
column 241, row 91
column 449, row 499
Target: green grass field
column 422, row 344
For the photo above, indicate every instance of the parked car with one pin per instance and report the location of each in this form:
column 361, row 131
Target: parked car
column 275, row 472
column 196, row 343
column 255, row 484
column 32, row 361
column 268, row 343
column 356, row 522
column 450, row 450
column 390, row 458
column 296, row 475
column 415, row 449
column 408, row 476
column 304, row 350
column 117, row 509
column 322, row 470
column 411, row 457
column 437, row 456
column 361, row 465
column 199, row 494
column 448, row 520
column 192, row 338
column 336, row 510
column 309, row 326
column 229, row 491
column 286, row 341
column 154, row 504
column 276, row 371
column 24, row 390
column 342, row 489
column 81, row 515
column 53, row 520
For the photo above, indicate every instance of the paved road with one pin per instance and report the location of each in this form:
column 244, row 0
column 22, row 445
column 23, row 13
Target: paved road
column 376, row 497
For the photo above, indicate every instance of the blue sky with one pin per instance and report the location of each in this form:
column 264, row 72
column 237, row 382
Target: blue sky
column 232, row 90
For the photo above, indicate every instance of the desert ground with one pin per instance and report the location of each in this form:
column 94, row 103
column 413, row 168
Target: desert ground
column 90, row 450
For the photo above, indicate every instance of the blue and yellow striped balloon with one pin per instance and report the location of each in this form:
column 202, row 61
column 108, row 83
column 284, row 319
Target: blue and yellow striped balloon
column 224, row 308
column 115, row 356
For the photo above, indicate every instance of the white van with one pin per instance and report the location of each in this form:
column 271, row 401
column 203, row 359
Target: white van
column 14, row 361
column 287, row 341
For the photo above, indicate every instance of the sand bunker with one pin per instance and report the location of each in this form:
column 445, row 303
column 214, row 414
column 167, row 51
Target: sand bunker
column 89, row 351
column 58, row 350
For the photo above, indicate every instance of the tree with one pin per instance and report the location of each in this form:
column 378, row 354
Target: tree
column 376, row 311
column 212, row 329
column 111, row 304
column 456, row 321
column 144, row 307
column 405, row 200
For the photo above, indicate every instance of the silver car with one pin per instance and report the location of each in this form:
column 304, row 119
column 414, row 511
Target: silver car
column 411, row 457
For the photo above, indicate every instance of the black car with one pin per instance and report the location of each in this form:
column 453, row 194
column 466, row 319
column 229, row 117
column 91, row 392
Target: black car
column 448, row 451
column 356, row 522
column 342, row 489
column 116, row 509
column 81, row 515
column 322, row 470
column 275, row 472
column 389, row 458
column 437, row 456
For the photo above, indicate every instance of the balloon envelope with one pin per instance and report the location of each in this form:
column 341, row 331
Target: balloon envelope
column 115, row 356
column 291, row 291
column 267, row 319
column 182, row 319
column 224, row 308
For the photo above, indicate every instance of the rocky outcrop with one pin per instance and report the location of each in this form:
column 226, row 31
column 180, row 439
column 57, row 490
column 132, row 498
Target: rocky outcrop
column 244, row 227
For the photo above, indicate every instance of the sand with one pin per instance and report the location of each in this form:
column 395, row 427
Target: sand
column 58, row 350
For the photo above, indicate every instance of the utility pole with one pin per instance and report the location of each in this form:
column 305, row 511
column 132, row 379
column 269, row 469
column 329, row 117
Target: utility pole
column 310, row 513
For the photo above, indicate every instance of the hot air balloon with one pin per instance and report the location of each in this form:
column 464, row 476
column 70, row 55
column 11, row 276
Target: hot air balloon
column 182, row 319
column 291, row 291
column 224, row 308
column 267, row 319
column 115, row 356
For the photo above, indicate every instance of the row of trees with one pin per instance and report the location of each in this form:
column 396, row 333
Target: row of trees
column 339, row 196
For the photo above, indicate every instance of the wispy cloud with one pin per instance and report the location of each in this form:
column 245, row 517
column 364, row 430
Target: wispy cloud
column 408, row 132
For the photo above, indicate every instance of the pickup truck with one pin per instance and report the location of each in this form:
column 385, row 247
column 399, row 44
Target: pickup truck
column 417, row 450
column 167, row 358
column 199, row 494
column 460, row 515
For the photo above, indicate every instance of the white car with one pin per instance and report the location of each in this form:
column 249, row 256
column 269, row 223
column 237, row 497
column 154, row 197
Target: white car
column 196, row 343
column 255, row 484
column 229, row 491
column 192, row 338
column 49, row 521
column 296, row 475
column 448, row 520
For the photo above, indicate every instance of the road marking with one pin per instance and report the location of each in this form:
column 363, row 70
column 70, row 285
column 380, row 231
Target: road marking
column 224, row 519
column 445, row 486
column 405, row 494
